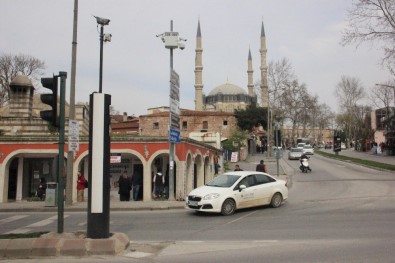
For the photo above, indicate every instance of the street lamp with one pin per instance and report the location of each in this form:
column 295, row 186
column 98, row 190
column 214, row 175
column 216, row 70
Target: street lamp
column 173, row 41
column 103, row 38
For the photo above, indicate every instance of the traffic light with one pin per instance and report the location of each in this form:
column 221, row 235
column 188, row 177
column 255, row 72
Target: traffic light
column 277, row 137
column 337, row 144
column 51, row 100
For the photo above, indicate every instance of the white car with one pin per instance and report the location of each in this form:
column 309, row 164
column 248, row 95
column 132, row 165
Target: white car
column 308, row 149
column 295, row 153
column 235, row 190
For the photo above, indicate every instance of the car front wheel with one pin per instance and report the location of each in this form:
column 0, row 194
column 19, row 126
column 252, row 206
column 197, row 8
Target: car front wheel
column 277, row 199
column 228, row 207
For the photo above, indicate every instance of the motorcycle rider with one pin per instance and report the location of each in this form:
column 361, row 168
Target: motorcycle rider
column 304, row 156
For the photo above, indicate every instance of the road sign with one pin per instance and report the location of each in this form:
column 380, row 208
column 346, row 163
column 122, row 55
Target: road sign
column 74, row 135
column 174, row 136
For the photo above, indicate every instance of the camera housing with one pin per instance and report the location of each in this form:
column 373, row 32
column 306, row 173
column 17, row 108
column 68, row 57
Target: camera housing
column 102, row 21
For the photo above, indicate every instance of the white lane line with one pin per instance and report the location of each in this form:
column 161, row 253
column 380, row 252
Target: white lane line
column 240, row 218
column 41, row 223
column 12, row 218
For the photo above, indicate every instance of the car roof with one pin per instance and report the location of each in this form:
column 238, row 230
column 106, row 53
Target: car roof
column 246, row 173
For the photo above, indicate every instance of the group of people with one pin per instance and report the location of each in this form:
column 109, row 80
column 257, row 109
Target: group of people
column 261, row 167
column 127, row 184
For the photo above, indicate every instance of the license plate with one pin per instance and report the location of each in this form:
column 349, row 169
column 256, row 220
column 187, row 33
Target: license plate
column 193, row 203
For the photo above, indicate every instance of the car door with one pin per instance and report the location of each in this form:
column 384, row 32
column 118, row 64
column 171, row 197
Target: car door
column 264, row 188
column 246, row 197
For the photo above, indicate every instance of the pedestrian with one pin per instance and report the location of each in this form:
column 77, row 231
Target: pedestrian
column 137, row 180
column 124, row 187
column 81, row 183
column 166, row 186
column 261, row 167
column 216, row 165
column 237, row 168
column 42, row 189
column 159, row 182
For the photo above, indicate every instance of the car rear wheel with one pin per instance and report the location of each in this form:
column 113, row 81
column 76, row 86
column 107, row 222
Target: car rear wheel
column 228, row 207
column 277, row 199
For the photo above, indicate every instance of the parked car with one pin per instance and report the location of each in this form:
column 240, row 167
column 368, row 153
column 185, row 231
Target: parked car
column 235, row 190
column 308, row 149
column 295, row 153
column 328, row 146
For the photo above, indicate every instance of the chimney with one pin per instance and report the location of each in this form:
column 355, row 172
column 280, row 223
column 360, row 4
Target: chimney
column 125, row 117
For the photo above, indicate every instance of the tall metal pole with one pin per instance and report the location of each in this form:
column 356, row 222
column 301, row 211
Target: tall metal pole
column 171, row 144
column 70, row 154
column 63, row 76
column 101, row 59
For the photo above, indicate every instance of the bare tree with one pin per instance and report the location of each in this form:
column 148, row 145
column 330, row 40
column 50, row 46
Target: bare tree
column 349, row 91
column 383, row 97
column 11, row 66
column 372, row 21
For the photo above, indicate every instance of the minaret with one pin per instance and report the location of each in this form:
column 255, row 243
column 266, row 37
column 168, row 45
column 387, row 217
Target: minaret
column 264, row 87
column 250, row 72
column 198, row 71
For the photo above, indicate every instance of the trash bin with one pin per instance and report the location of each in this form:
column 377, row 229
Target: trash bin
column 51, row 194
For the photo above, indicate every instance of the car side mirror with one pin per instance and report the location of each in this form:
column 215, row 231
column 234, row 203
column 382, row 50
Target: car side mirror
column 242, row 187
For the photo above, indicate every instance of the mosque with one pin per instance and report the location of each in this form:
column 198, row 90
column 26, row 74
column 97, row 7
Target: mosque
column 229, row 97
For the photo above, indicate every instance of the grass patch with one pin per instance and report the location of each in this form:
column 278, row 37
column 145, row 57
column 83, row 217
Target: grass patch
column 25, row 235
column 369, row 163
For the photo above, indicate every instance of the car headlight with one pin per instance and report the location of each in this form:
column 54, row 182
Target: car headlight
column 210, row 196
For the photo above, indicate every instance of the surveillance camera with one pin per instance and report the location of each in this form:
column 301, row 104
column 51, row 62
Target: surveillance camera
column 102, row 21
column 181, row 45
column 107, row 37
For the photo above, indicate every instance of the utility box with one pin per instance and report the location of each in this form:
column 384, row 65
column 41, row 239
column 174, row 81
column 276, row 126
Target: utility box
column 51, row 194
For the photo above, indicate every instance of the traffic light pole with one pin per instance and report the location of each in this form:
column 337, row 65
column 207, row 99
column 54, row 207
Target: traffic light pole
column 63, row 77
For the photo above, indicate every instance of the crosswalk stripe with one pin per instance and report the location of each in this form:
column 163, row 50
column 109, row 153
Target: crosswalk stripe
column 12, row 218
column 41, row 223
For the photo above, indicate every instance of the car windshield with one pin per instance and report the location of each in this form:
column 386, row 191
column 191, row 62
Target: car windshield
column 224, row 180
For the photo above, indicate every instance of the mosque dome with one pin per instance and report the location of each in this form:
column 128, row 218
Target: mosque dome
column 21, row 80
column 228, row 89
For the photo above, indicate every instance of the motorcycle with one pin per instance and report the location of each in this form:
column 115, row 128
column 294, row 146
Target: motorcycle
column 304, row 165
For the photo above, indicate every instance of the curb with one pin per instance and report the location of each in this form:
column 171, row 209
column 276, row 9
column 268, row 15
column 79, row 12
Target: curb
column 66, row 244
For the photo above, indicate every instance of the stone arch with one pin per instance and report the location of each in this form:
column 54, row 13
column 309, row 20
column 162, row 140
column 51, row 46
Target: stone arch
column 132, row 157
column 198, row 171
column 188, row 173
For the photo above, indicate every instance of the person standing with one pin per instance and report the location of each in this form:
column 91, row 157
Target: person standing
column 137, row 180
column 261, row 167
column 237, row 168
column 216, row 163
column 81, row 182
column 159, row 182
column 42, row 187
column 124, row 187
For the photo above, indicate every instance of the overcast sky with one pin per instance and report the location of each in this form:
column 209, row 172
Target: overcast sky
column 136, row 63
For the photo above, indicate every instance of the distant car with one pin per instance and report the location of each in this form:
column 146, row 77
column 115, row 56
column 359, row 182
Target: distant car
column 328, row 146
column 295, row 153
column 308, row 149
column 235, row 190
column 300, row 145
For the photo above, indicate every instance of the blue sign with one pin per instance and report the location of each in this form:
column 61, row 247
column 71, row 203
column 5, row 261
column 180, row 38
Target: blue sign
column 174, row 136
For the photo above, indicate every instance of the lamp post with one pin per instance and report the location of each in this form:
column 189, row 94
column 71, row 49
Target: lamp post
column 103, row 38
column 173, row 41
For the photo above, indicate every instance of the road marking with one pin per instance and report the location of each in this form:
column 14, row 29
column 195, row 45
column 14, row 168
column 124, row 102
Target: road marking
column 41, row 223
column 12, row 218
column 240, row 218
